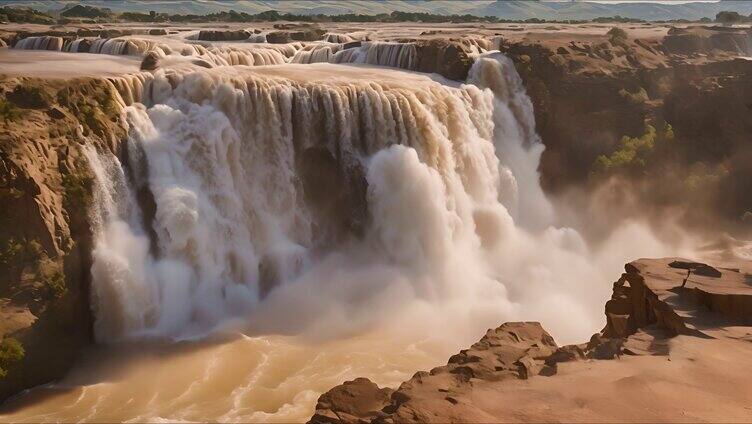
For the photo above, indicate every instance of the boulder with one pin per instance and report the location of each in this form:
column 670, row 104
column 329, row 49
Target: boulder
column 150, row 61
column 278, row 37
column 445, row 57
column 288, row 36
column 515, row 350
column 352, row 401
column 219, row 35
column 647, row 308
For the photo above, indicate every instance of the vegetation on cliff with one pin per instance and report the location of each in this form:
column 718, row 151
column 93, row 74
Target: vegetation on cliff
column 727, row 17
column 11, row 351
column 634, row 154
column 86, row 11
column 8, row 111
column 45, row 234
column 24, row 15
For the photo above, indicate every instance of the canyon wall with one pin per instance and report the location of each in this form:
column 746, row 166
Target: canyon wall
column 587, row 97
column 594, row 98
column 45, row 233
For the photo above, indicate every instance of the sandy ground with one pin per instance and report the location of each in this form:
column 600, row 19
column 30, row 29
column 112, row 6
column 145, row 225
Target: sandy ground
column 703, row 380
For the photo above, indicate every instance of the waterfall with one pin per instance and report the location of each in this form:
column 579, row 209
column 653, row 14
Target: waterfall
column 395, row 55
column 40, row 43
column 518, row 145
column 321, row 187
column 252, row 52
column 127, row 46
column 316, row 53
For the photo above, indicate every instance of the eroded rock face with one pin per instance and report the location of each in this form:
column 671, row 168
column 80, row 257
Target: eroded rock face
column 515, row 350
column 444, row 57
column 289, row 36
column 694, row 40
column 360, row 399
column 649, row 306
column 45, row 237
column 219, row 35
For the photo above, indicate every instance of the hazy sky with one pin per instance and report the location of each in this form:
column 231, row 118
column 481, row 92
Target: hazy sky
column 655, row 1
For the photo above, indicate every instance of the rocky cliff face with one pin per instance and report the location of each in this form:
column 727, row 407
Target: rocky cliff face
column 660, row 309
column 45, row 235
column 589, row 95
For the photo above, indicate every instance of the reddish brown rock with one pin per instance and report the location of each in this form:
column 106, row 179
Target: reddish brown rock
column 352, row 401
column 219, row 35
column 648, row 307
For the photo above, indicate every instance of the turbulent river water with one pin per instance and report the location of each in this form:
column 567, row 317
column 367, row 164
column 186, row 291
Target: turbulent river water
column 270, row 232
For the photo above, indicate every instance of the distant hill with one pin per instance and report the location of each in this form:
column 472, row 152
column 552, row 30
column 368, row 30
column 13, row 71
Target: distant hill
column 85, row 11
column 508, row 9
column 25, row 14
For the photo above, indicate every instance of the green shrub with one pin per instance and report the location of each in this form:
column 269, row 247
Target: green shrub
column 107, row 103
column 11, row 252
column 638, row 97
column 8, row 112
column 617, row 35
column 634, row 153
column 54, row 280
column 63, row 97
column 76, row 191
column 14, row 251
column 11, row 351
column 30, row 96
column 702, row 178
column 25, row 15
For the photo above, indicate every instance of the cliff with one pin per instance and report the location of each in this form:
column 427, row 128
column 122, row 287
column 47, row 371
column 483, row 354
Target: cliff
column 676, row 341
column 594, row 96
column 45, row 233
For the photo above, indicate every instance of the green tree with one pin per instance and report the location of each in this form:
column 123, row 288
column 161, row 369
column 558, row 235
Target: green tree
column 11, row 351
column 727, row 17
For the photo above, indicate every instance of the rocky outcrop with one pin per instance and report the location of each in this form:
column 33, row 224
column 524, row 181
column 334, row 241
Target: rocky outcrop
column 653, row 301
column 292, row 33
column 45, row 235
column 515, row 350
column 630, row 83
column 355, row 400
column 677, row 297
column 696, row 40
column 219, row 35
column 444, row 57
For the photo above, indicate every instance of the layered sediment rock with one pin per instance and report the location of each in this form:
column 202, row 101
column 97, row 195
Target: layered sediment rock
column 653, row 301
column 588, row 95
column 694, row 40
column 45, row 236
column 446, row 58
column 677, row 297
column 289, row 36
column 217, row 35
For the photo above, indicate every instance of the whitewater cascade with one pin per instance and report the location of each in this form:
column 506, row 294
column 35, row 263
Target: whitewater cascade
column 335, row 191
column 40, row 43
column 252, row 52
